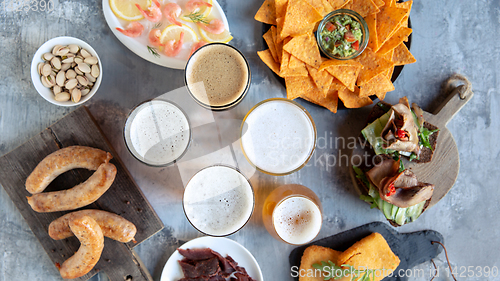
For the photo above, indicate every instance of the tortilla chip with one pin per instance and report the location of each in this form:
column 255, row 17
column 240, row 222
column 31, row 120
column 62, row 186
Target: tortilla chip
column 268, row 59
column 318, row 5
column 285, row 58
column 402, row 55
column 279, row 28
column 379, row 84
column 295, row 68
column 388, row 21
column 345, row 71
column 322, row 79
column 299, row 18
column 351, row 99
column 298, row 86
column 266, row 12
column 371, row 22
column 390, row 71
column 330, row 101
column 315, row 255
column 269, row 38
column 363, row 7
column 371, row 252
column 380, row 96
column 388, row 55
column 395, row 40
column 305, row 48
column 390, row 3
column 280, row 8
column 337, row 4
column 373, row 64
column 327, row 8
column 379, row 3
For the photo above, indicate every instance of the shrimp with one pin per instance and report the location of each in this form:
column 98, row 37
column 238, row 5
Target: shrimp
column 154, row 37
column 216, row 26
column 193, row 5
column 153, row 13
column 196, row 46
column 134, row 29
column 172, row 47
column 172, row 11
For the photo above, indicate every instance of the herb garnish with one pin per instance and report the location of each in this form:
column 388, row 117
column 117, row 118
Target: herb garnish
column 197, row 17
column 153, row 51
column 336, row 272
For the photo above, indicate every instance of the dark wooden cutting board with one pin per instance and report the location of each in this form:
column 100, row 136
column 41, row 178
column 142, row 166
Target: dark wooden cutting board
column 118, row 260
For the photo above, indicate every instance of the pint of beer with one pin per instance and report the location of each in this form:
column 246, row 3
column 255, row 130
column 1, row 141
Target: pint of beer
column 292, row 214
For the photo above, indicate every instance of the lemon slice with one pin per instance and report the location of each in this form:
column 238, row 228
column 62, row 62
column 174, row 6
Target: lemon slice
column 172, row 32
column 126, row 9
column 199, row 13
column 224, row 37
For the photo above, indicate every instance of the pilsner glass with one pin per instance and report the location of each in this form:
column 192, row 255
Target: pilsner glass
column 292, row 214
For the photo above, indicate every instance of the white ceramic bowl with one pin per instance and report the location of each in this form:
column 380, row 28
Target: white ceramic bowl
column 45, row 92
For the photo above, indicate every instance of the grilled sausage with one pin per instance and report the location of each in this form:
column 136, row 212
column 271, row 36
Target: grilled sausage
column 91, row 239
column 61, row 161
column 113, row 226
column 79, row 196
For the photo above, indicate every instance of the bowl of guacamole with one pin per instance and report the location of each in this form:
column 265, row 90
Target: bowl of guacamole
column 342, row 34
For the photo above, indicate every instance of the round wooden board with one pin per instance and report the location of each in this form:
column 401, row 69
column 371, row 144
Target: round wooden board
column 442, row 171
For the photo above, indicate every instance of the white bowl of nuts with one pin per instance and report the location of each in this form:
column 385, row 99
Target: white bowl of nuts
column 66, row 71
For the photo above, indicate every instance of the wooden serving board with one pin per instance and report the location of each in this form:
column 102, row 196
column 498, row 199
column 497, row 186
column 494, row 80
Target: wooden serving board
column 442, row 171
column 412, row 248
column 118, row 260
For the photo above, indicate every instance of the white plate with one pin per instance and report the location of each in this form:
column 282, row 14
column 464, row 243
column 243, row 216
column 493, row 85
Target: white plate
column 139, row 45
column 172, row 270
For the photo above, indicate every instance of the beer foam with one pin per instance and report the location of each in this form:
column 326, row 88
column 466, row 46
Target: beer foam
column 218, row 200
column 158, row 122
column 279, row 138
column 297, row 220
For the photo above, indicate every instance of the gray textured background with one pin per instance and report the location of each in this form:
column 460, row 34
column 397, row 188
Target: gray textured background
column 448, row 36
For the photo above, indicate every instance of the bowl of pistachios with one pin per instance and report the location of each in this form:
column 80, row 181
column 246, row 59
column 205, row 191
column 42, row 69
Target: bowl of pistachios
column 66, row 71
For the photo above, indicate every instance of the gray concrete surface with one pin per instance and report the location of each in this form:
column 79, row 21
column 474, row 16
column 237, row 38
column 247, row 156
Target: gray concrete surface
column 449, row 36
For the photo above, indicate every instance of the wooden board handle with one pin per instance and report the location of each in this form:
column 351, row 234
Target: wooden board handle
column 459, row 97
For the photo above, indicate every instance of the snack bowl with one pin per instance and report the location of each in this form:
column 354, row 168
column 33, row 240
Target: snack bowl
column 47, row 47
column 356, row 17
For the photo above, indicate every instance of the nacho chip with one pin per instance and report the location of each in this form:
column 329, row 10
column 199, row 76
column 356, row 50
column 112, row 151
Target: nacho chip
column 330, row 101
column 402, row 55
column 379, row 84
column 388, row 21
column 268, row 59
column 269, row 38
column 279, row 28
column 266, row 12
column 295, row 68
column 305, row 48
column 351, row 99
column 346, row 71
column 379, row 3
column 363, row 7
column 390, row 71
column 337, row 4
column 395, row 40
column 327, row 8
column 280, row 8
column 371, row 252
column 298, row 86
column 371, row 22
column 300, row 18
column 322, row 79
column 285, row 58
column 380, row 96
column 318, row 5
column 390, row 3
column 373, row 64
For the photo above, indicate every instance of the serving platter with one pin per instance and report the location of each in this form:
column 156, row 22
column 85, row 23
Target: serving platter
column 412, row 248
column 118, row 260
column 140, row 44
column 224, row 246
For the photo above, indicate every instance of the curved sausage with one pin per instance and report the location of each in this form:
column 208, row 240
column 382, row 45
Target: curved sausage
column 61, row 161
column 91, row 239
column 79, row 196
column 113, row 226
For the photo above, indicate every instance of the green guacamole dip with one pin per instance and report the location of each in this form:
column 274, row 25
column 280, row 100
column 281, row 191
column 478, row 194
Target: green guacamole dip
column 341, row 36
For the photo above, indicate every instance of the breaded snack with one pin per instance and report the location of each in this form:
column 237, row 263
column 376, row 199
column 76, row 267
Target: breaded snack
column 371, row 252
column 315, row 254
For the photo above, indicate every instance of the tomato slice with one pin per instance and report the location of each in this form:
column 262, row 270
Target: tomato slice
column 355, row 45
column 349, row 37
column 330, row 26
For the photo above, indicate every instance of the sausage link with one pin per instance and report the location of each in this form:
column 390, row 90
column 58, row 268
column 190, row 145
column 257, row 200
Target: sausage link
column 91, row 239
column 79, row 196
column 61, row 161
column 113, row 226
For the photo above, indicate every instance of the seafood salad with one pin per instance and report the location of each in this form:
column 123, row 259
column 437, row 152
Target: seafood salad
column 171, row 29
